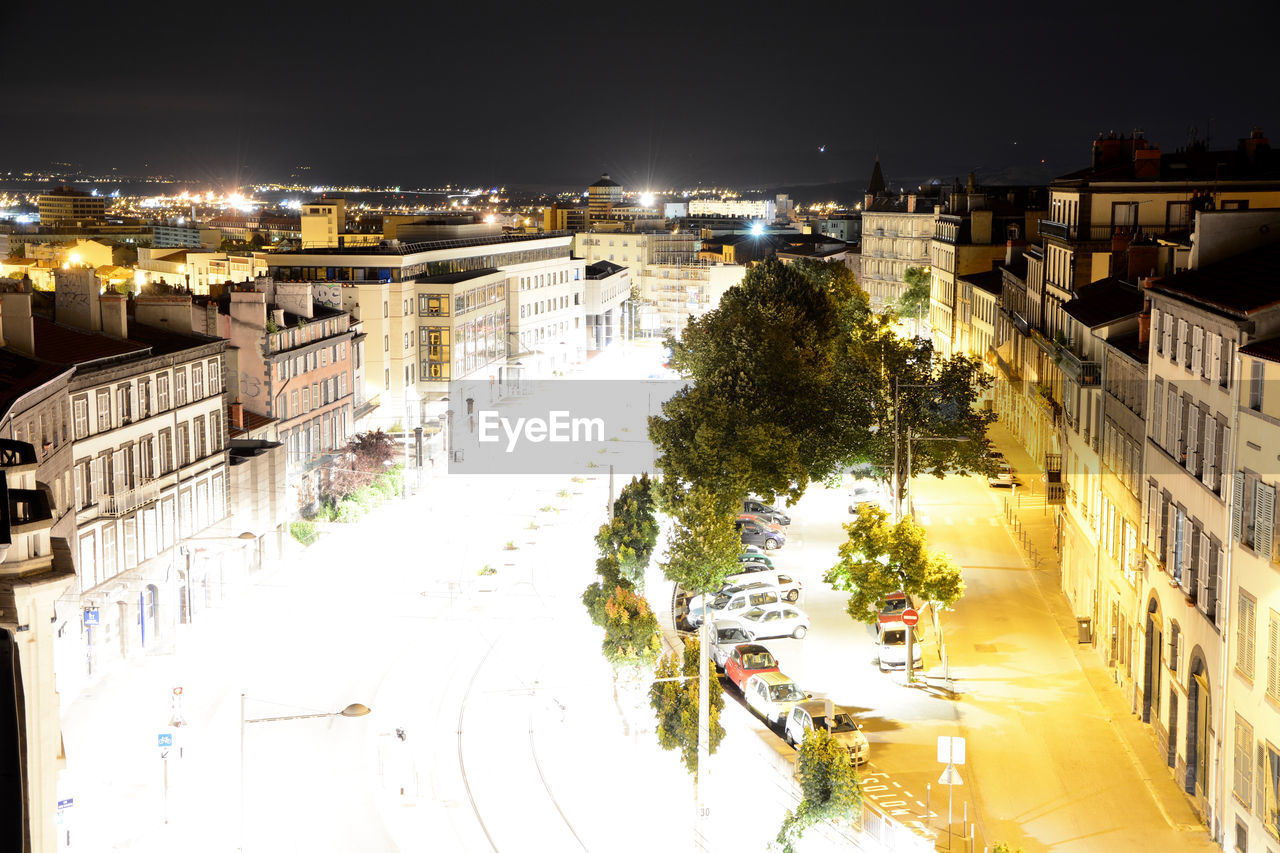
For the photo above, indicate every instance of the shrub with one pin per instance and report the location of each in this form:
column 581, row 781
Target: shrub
column 303, row 531
column 348, row 512
column 510, row 546
column 487, row 570
column 386, row 487
column 367, row 497
column 325, row 512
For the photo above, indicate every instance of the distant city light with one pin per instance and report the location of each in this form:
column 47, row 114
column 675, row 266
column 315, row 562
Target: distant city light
column 646, row 199
column 757, row 228
column 490, row 219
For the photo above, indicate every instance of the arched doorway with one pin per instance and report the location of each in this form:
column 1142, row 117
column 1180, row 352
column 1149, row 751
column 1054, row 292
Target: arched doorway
column 1198, row 710
column 1151, row 664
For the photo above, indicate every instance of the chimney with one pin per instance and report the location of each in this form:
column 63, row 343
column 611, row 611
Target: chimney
column 1142, row 261
column 115, row 324
column 1013, row 250
column 237, row 414
column 172, row 312
column 15, row 315
column 972, row 186
column 867, row 200
column 1144, row 327
column 1146, row 162
column 1257, row 140
column 75, row 298
column 911, row 203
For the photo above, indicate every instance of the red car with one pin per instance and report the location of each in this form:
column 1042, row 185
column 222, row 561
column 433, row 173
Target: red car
column 893, row 605
column 763, row 521
column 747, row 660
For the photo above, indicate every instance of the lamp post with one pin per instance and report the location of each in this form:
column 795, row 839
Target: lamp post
column 355, row 709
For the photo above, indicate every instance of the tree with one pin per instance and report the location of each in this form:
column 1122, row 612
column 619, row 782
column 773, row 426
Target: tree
column 596, row 596
column 879, row 558
column 675, row 703
column 631, row 634
column 829, row 785
column 632, row 533
column 366, row 457
column 704, row 544
column 775, row 400
column 914, row 301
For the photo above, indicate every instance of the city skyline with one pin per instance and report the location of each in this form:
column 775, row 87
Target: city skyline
column 550, row 97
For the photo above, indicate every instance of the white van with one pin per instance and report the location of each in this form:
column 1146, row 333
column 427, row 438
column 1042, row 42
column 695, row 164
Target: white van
column 734, row 600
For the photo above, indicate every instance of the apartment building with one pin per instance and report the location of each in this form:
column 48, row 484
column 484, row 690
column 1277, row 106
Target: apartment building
column 1200, row 319
column 463, row 325
column 64, row 206
column 896, row 234
column 1251, row 782
column 608, row 287
column 381, row 282
column 35, row 571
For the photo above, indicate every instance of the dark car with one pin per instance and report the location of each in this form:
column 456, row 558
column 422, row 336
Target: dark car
column 755, row 533
column 769, row 513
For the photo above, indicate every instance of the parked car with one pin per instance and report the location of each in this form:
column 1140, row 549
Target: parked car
column 893, row 604
column 755, row 533
column 771, row 513
column 864, row 494
column 725, row 635
column 755, row 555
column 732, row 602
column 822, row 714
column 774, row 620
column 891, row 647
column 1003, row 475
column 763, row 520
column 747, row 660
column 772, row 695
column 790, row 587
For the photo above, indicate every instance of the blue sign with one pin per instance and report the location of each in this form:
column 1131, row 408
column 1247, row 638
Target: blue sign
column 67, row 803
column 91, row 616
column 165, row 738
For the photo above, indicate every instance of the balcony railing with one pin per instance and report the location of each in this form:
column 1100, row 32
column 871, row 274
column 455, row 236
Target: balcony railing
column 1087, row 374
column 123, row 503
column 1102, row 233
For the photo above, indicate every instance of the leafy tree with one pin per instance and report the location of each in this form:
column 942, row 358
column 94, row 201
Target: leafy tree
column 704, row 544
column 675, row 704
column 914, row 301
column 597, row 595
column 18, row 250
column 365, row 458
column 829, row 785
column 631, row 634
column 879, row 558
column 632, row 533
column 772, row 387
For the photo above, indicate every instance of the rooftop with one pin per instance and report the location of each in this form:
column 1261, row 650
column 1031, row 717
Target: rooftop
column 19, row 375
column 605, row 182
column 1129, row 344
column 1237, row 286
column 64, row 345
column 992, row 281
column 456, row 277
column 1105, row 301
column 396, row 247
column 1268, row 350
column 603, row 269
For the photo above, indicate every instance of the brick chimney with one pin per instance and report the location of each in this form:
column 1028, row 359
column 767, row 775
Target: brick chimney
column 1013, row 250
column 1142, row 261
column 867, row 200
column 1146, row 162
column 115, row 322
column 1144, row 327
column 911, row 203
column 237, row 414
column 168, row 311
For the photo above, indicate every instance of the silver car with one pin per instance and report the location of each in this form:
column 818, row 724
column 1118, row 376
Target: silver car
column 725, row 635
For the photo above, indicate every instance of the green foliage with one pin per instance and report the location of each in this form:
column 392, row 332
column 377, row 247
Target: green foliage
column 633, row 532
column 829, row 786
column 304, row 531
column 879, row 558
column 1001, row 847
column 675, row 704
column 325, row 513
column 348, row 511
column 631, row 634
column 367, row 456
column 703, row 545
column 487, row 570
column 272, row 326
column 914, row 301
column 775, row 392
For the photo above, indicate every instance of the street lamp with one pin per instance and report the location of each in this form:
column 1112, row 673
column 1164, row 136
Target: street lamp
column 355, row 709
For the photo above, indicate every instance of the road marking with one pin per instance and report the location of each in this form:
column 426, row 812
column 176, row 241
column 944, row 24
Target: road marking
column 894, row 804
column 875, row 787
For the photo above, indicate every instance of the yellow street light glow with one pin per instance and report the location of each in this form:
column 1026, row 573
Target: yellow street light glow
column 74, row 258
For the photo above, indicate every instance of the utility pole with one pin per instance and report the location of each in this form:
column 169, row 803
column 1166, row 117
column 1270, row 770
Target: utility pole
column 704, row 733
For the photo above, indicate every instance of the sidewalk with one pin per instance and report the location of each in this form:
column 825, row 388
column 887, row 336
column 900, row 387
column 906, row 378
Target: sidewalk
column 1035, row 528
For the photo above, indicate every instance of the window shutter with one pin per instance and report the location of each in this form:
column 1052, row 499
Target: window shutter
column 1171, row 421
column 1244, row 635
column 1273, row 646
column 1205, row 598
column 1168, row 336
column 1153, row 518
column 1209, row 476
column 1212, row 368
column 1190, row 554
column 1264, row 513
column 1182, row 341
column 1179, row 441
column 1155, row 325
column 1197, row 351
column 1224, row 455
column 1219, row 613
column 1237, row 505
column 1170, row 539
column 1193, row 441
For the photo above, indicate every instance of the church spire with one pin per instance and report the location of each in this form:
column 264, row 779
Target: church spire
column 876, row 186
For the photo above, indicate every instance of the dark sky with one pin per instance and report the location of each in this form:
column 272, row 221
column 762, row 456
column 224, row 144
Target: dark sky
column 656, row 93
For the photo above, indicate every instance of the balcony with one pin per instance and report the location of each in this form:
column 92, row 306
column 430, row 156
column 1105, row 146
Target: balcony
column 1049, row 228
column 123, row 503
column 1101, row 233
column 1087, row 374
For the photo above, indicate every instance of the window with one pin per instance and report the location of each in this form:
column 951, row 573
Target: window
column 202, row 445
column 306, row 400
column 293, row 403
column 166, row 451
column 1264, row 510
column 1273, row 655
column 386, row 343
column 1245, row 634
column 144, row 398
column 197, row 381
column 180, row 386
column 1255, row 385
column 104, row 410
column 215, row 377
column 80, row 414
column 1269, row 782
column 108, row 551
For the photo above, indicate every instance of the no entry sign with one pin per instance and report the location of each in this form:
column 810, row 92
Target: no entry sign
column 910, row 616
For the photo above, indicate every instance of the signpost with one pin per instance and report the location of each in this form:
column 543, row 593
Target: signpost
column 91, row 616
column 950, row 753
column 165, row 741
column 910, row 617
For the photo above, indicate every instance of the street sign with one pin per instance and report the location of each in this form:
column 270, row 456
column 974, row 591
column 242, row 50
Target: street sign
column 67, row 803
column 910, row 616
column 165, row 739
column 91, row 616
column 950, row 776
column 950, row 750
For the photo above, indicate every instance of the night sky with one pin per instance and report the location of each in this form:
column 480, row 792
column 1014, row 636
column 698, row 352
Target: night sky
column 656, row 93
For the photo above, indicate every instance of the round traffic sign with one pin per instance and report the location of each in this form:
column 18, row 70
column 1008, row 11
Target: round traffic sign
column 910, row 616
